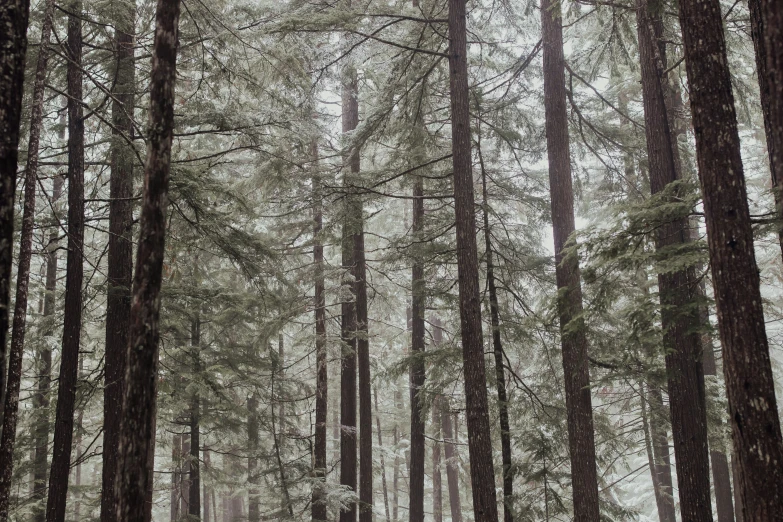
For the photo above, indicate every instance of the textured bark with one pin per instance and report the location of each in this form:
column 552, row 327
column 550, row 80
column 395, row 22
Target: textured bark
column 194, row 491
column 254, row 514
column 437, row 474
column 452, row 472
column 322, row 382
column 770, row 89
column 14, row 15
column 120, row 251
column 677, row 290
column 417, row 375
column 72, row 322
column 737, row 496
column 746, row 362
column 41, row 399
column 137, row 433
column 482, row 470
column 350, row 119
column 383, row 460
column 497, row 348
column 581, row 439
column 11, row 404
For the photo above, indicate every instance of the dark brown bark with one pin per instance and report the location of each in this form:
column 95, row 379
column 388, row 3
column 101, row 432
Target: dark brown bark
column 72, row 322
column 746, row 362
column 482, row 470
column 770, row 89
column 497, row 348
column 452, row 471
column 737, row 496
column 721, row 480
column 11, row 404
column 322, row 382
column 14, row 15
column 417, row 371
column 120, row 251
column 350, row 117
column 677, row 290
column 581, row 439
column 194, row 492
column 137, row 432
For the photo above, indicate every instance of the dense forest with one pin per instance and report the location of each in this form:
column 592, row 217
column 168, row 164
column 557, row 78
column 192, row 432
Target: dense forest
column 391, row 260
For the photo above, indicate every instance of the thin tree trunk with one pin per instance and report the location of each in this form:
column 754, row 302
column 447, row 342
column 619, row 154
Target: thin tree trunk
column 318, row 512
column 417, row 371
column 738, row 514
column 41, row 399
column 396, row 466
column 735, row 276
column 452, row 472
column 437, row 476
column 365, row 385
column 194, row 493
column 120, row 251
column 660, row 501
column 11, row 404
column 350, row 117
column 14, row 15
column 277, row 431
column 497, row 348
column 678, row 290
column 482, row 470
column 137, row 432
column 581, row 439
column 660, row 442
column 206, row 490
column 253, row 510
column 176, row 476
column 383, row 462
column 184, row 482
column 72, row 323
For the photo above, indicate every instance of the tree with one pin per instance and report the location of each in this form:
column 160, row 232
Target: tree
column 120, row 248
column 137, row 425
column 746, row 364
column 678, row 290
column 581, row 438
column 69, row 361
column 482, row 471
column 14, row 16
column 11, row 404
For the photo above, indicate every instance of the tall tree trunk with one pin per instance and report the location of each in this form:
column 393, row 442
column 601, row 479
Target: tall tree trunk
column 194, row 494
column 41, row 399
column 581, row 439
column 120, row 251
column 768, row 58
column 497, row 348
column 737, row 494
column 417, row 375
column 365, row 385
column 396, row 465
column 383, row 462
column 350, row 119
column 184, row 481
column 318, row 512
column 678, row 290
column 11, row 404
column 137, row 432
column 277, row 431
column 452, row 471
column 482, row 470
column 746, row 362
column 14, row 15
column 72, row 323
column 253, row 511
column 660, row 500
column 206, row 491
